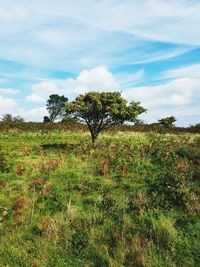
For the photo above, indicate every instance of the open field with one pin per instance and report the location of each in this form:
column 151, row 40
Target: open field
column 133, row 201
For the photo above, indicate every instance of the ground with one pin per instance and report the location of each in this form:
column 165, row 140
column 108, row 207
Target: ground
column 131, row 201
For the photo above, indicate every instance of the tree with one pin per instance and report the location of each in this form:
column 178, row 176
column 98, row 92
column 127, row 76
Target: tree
column 103, row 110
column 56, row 106
column 140, row 122
column 7, row 117
column 46, row 119
column 10, row 118
column 168, row 121
column 18, row 118
column 195, row 128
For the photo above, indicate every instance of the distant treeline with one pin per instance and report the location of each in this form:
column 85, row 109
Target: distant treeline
column 75, row 126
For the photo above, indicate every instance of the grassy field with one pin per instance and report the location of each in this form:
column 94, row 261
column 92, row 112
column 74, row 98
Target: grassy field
column 133, row 201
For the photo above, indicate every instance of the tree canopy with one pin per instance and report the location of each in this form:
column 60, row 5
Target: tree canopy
column 56, row 106
column 168, row 121
column 103, row 110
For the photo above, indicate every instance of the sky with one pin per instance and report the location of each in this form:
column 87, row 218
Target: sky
column 148, row 50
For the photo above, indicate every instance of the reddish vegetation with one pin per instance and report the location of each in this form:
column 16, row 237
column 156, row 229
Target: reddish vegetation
column 50, row 165
column 122, row 170
column 105, row 168
column 20, row 170
column 46, row 191
column 20, row 206
column 3, row 183
column 47, row 228
column 37, row 183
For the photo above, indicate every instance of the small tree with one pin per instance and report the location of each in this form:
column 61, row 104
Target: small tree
column 140, row 122
column 103, row 110
column 46, row 119
column 56, row 106
column 10, row 118
column 18, row 118
column 7, row 117
column 168, row 121
column 195, row 128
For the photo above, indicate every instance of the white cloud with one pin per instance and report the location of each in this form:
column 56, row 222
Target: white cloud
column 7, row 105
column 95, row 79
column 9, row 91
column 34, row 114
column 35, row 98
column 179, row 97
column 37, row 112
column 41, row 91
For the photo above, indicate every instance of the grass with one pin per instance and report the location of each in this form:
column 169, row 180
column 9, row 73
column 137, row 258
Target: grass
column 133, row 201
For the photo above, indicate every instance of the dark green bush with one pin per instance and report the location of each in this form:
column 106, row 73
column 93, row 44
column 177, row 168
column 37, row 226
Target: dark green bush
column 172, row 188
column 3, row 164
column 79, row 241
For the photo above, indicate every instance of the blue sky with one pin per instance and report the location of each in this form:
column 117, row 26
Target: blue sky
column 149, row 50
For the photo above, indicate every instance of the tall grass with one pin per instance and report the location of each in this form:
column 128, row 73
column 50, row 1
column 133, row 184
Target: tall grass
column 133, row 201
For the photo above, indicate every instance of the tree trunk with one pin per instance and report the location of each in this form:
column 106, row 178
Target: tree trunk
column 93, row 141
column 94, row 137
column 94, row 134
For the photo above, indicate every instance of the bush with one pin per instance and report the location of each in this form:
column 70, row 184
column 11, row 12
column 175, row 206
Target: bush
column 173, row 188
column 3, row 164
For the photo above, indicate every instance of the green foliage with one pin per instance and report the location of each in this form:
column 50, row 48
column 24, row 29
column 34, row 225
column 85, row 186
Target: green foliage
column 100, row 111
column 168, row 121
column 56, row 106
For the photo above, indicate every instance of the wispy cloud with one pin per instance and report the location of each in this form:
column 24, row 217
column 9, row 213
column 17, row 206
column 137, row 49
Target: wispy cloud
column 192, row 71
column 9, row 91
column 104, row 45
column 72, row 34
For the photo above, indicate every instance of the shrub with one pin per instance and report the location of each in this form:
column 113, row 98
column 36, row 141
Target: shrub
column 79, row 241
column 172, row 188
column 3, row 164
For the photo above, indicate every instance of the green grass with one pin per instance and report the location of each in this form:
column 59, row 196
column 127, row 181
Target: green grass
column 133, row 201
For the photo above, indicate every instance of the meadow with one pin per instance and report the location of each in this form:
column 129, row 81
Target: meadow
column 134, row 200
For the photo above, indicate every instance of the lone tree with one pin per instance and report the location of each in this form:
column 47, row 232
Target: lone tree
column 103, row 110
column 56, row 106
column 168, row 121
